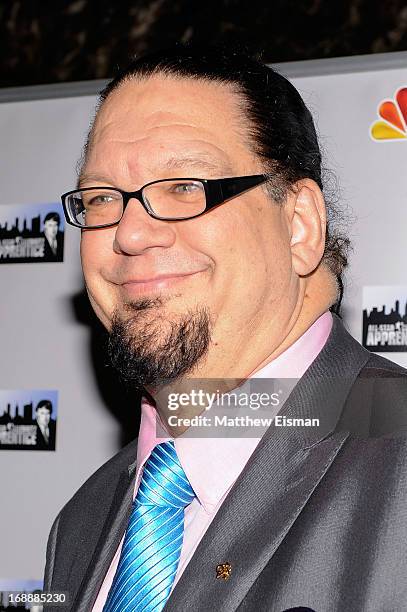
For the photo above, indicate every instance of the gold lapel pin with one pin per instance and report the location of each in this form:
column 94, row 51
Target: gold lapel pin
column 223, row 570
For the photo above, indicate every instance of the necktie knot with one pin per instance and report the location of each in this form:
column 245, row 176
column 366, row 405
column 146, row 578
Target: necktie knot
column 164, row 482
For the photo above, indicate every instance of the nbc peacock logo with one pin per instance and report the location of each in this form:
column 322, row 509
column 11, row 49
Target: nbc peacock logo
column 392, row 122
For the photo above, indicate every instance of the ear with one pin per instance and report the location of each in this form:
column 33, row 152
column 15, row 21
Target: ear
column 307, row 217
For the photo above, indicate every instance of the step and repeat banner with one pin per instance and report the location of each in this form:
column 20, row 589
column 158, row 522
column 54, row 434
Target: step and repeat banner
column 55, row 426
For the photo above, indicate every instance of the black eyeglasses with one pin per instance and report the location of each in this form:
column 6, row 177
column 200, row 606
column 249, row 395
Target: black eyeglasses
column 169, row 199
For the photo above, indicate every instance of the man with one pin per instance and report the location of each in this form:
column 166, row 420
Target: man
column 54, row 239
column 208, row 257
column 46, row 426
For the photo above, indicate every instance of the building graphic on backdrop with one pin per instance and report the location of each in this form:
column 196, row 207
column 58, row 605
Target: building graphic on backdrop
column 385, row 324
column 15, row 593
column 8, row 603
column 28, row 423
column 392, row 122
column 31, row 234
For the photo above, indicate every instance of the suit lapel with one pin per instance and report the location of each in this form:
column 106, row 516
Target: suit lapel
column 109, row 540
column 276, row 483
column 252, row 522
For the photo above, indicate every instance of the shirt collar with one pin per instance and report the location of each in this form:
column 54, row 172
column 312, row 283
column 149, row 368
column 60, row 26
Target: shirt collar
column 213, row 464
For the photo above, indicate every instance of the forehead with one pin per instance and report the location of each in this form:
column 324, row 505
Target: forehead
column 163, row 118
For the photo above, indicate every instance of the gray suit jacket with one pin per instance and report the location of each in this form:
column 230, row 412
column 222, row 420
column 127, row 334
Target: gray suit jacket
column 317, row 518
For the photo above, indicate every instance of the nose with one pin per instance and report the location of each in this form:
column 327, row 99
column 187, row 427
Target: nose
column 137, row 231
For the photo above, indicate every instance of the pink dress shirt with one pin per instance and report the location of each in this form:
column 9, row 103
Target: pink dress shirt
column 200, row 457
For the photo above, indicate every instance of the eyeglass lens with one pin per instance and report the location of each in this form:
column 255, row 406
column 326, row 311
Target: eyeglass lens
column 166, row 199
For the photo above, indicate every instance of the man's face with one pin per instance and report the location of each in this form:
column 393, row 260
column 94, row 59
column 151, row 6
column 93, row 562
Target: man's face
column 43, row 416
column 233, row 263
column 51, row 228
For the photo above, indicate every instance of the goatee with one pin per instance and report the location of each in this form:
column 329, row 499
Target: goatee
column 150, row 350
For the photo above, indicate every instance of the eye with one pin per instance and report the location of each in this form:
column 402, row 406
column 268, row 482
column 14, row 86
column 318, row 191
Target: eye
column 100, row 199
column 186, row 188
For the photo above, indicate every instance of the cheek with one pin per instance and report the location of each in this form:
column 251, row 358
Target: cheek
column 96, row 255
column 96, row 252
column 249, row 244
column 250, row 247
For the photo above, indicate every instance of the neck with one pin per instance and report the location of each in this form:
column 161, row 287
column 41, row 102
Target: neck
column 269, row 340
column 320, row 294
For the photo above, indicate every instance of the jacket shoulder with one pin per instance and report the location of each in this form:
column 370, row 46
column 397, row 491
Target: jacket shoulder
column 377, row 404
column 380, row 367
column 95, row 488
column 79, row 524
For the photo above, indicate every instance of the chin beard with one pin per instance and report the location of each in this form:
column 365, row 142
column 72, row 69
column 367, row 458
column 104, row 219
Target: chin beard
column 149, row 350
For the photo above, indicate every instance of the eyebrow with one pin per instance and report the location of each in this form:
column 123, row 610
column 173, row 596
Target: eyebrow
column 205, row 162
column 84, row 177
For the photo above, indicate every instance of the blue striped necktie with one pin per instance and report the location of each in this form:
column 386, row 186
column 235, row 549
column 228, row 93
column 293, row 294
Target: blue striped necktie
column 152, row 544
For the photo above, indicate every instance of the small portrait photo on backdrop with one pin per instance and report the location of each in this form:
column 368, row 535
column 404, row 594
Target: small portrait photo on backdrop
column 32, row 233
column 28, row 419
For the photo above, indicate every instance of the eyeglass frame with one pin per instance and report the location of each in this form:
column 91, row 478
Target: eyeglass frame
column 217, row 191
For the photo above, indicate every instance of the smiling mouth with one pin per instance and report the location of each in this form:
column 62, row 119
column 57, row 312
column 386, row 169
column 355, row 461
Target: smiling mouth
column 157, row 283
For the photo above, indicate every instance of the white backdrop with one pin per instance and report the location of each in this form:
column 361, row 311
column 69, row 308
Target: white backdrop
column 44, row 346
